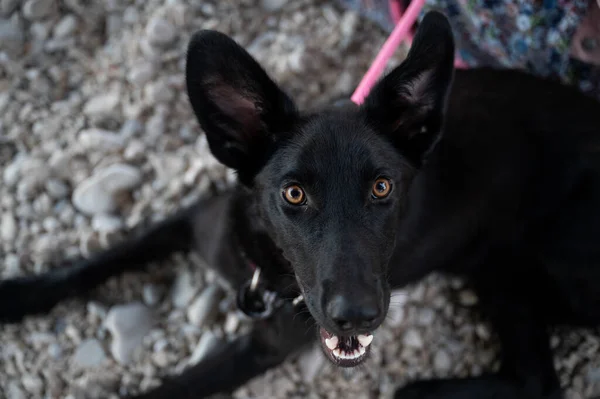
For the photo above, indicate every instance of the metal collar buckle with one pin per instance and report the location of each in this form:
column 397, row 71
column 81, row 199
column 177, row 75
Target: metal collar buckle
column 258, row 303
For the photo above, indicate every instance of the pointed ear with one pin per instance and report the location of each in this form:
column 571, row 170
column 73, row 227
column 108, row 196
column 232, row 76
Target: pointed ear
column 408, row 104
column 238, row 106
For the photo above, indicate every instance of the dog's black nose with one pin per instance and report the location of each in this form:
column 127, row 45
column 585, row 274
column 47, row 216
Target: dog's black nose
column 356, row 312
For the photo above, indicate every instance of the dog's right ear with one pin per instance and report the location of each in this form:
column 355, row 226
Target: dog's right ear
column 238, row 106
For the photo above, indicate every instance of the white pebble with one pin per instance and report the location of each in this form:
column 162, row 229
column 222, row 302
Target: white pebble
column 207, row 342
column 151, row 294
column 57, row 188
column 160, row 31
column 412, row 339
column 183, row 290
column 96, row 194
column 50, row 224
column 55, row 351
column 8, row 227
column 100, row 139
column 104, row 223
column 134, row 151
column 32, row 384
column 273, row 5
column 37, row 9
column 468, row 298
column 89, row 354
column 160, row 345
column 66, row 26
column 102, row 104
column 11, row 38
column 141, row 73
column 205, row 306
column 128, row 324
column 442, row 362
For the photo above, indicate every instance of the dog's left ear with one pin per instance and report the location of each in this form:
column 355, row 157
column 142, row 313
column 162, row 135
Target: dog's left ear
column 238, row 106
column 408, row 104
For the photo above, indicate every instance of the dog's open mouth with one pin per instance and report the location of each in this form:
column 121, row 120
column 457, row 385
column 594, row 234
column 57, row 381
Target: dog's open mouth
column 347, row 351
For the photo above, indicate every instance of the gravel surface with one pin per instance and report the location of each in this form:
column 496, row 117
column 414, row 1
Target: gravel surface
column 97, row 136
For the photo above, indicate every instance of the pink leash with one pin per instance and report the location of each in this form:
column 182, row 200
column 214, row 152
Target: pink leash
column 402, row 31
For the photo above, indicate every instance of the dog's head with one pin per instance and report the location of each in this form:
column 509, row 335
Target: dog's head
column 331, row 185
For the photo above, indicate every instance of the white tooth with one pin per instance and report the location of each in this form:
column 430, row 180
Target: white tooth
column 337, row 353
column 365, row 340
column 354, row 355
column 332, row 342
column 361, row 350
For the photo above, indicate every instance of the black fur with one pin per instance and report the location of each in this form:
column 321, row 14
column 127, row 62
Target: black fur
column 495, row 177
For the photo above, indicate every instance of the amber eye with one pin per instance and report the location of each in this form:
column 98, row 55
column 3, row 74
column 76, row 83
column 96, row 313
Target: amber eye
column 381, row 188
column 294, row 195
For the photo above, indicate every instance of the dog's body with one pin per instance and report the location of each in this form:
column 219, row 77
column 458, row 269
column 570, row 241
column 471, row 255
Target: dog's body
column 498, row 182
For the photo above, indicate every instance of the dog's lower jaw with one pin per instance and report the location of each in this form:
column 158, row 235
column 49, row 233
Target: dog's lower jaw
column 345, row 351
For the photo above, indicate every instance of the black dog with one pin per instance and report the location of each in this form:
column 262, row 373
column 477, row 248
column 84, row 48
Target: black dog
column 492, row 175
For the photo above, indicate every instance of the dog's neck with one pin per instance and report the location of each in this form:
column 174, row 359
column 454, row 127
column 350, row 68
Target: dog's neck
column 257, row 248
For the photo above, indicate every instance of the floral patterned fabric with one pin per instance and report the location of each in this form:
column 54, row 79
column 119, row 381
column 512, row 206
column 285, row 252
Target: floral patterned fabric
column 534, row 35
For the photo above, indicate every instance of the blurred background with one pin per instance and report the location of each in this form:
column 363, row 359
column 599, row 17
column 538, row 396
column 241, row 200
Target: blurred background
column 93, row 91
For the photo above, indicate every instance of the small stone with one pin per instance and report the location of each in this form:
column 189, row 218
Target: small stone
column 99, row 139
column 12, row 265
column 32, row 384
column 60, row 164
column 89, row 354
column 442, row 362
column 207, row 342
column 161, row 359
column 55, row 351
column 412, row 339
column 135, row 151
column 273, row 5
column 56, row 188
column 160, row 345
column 158, row 92
column 160, row 32
column 131, row 15
column 13, row 391
column 151, row 294
column 96, row 311
column 310, row 363
column 96, row 194
column 8, row 227
column 468, row 298
column 103, row 104
column 128, row 325
column 37, row 9
column 8, row 6
column 141, row 74
column 483, row 331
column 54, row 384
column 155, row 126
column 50, row 224
column 232, row 323
column 66, row 26
column 12, row 172
column 426, row 316
column 89, row 244
column 11, row 37
column 104, row 223
column 183, row 290
column 130, row 128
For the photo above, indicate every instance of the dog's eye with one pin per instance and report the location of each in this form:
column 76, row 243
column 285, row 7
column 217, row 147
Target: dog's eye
column 294, row 195
column 381, row 188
